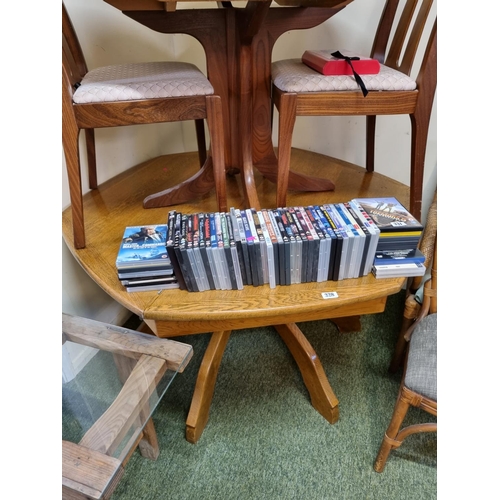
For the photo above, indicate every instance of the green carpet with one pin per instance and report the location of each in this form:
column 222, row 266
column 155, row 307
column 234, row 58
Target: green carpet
column 264, row 440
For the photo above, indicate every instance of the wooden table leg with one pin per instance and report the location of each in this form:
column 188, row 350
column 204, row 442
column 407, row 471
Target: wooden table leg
column 320, row 391
column 349, row 324
column 148, row 445
column 200, row 183
column 205, row 385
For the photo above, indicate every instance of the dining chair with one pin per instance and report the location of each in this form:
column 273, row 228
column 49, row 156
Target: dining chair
column 298, row 90
column 418, row 386
column 134, row 94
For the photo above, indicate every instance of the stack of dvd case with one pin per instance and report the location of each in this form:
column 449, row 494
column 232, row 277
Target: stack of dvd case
column 142, row 262
column 397, row 252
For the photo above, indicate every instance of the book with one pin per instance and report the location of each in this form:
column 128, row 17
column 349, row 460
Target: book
column 399, row 270
column 220, row 253
column 346, row 241
column 174, row 225
column 295, row 246
column 157, row 280
column 284, row 250
column 257, row 264
column 204, row 224
column 398, row 253
column 150, row 273
column 148, row 288
column 366, row 234
column 273, row 231
column 302, row 234
column 271, row 276
column 324, row 245
column 326, row 64
column 234, row 253
column 263, row 247
column 355, row 237
column 190, row 252
column 216, row 269
column 337, row 242
column 382, row 259
column 240, row 241
column 227, row 251
column 314, row 244
column 373, row 230
column 197, row 252
column 139, row 251
column 183, row 258
column 252, row 252
column 390, row 216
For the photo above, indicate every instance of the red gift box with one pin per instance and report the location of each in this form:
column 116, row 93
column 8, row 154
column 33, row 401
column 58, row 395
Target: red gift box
column 323, row 62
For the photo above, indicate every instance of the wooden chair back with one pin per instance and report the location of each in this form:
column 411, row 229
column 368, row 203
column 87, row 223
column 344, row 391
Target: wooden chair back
column 400, row 53
column 73, row 58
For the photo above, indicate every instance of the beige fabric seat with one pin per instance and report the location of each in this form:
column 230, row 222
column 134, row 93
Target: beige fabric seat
column 152, row 80
column 291, row 75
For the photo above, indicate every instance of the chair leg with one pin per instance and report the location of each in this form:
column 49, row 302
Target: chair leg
column 420, row 128
column 389, row 442
column 370, row 142
column 216, row 130
column 200, row 139
column 71, row 153
column 400, row 348
column 287, row 115
column 420, row 124
column 411, row 310
column 91, row 159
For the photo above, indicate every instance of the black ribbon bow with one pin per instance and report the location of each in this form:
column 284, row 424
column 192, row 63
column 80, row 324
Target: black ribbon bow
column 358, row 79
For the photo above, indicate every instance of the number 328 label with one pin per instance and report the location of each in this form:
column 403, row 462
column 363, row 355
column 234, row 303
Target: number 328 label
column 329, row 295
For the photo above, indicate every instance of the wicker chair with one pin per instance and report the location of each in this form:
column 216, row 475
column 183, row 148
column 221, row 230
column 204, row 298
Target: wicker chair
column 134, row 94
column 412, row 304
column 419, row 384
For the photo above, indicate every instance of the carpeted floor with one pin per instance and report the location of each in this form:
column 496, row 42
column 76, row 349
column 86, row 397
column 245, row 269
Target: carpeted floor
column 264, row 440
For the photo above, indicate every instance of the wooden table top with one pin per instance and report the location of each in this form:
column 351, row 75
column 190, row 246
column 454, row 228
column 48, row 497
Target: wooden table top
column 161, row 4
column 118, row 203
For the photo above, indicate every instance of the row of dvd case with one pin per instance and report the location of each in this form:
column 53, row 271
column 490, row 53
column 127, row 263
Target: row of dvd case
column 283, row 246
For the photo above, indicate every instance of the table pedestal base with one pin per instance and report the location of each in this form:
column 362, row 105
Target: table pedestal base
column 322, row 396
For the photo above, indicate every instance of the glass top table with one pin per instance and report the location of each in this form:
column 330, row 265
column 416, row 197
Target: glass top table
column 107, row 406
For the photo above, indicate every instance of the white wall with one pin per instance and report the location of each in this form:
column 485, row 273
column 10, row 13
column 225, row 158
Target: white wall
column 108, row 37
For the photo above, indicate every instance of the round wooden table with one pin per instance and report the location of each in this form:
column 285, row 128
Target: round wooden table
column 170, row 313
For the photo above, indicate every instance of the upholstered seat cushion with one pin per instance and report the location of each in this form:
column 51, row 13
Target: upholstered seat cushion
column 421, row 369
column 291, row 75
column 152, row 80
